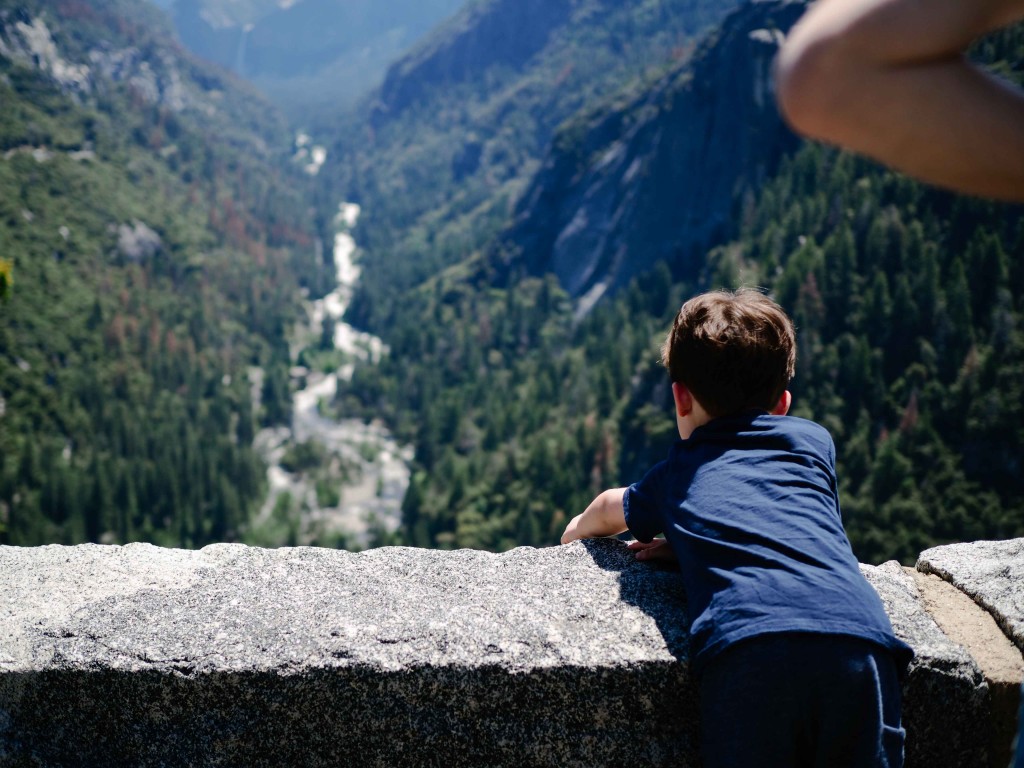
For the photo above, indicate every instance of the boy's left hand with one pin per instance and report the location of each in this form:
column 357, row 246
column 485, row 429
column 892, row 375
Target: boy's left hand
column 659, row 549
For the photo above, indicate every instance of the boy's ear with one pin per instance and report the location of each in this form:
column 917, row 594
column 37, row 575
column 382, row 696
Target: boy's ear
column 782, row 407
column 683, row 398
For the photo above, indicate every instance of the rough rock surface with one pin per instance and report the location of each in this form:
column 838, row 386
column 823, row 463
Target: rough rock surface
column 991, row 572
column 971, row 626
column 241, row 656
column 945, row 696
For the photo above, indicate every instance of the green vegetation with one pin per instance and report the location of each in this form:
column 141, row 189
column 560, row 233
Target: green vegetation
column 908, row 305
column 6, row 278
column 909, row 308
column 157, row 254
column 151, row 256
column 303, row 457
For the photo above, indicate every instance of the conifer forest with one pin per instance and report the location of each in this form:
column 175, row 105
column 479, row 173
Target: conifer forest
column 532, row 214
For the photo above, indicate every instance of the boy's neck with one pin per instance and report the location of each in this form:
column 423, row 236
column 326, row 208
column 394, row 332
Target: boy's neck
column 690, row 414
column 688, row 426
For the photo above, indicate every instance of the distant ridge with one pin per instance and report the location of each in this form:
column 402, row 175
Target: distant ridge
column 308, row 53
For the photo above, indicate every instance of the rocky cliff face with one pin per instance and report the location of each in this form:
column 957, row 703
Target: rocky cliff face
column 95, row 47
column 491, row 33
column 565, row 656
column 662, row 177
column 27, row 37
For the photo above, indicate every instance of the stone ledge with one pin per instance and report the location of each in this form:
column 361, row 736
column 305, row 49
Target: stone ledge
column 967, row 624
column 566, row 656
column 991, row 573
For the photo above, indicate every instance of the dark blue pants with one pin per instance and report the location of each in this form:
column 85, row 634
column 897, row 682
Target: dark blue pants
column 801, row 700
column 1018, row 761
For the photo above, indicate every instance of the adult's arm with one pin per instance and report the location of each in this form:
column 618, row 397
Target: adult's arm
column 888, row 78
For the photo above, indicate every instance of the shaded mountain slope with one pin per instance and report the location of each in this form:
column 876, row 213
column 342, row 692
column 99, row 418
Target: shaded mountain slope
column 462, row 123
column 488, row 34
column 663, row 177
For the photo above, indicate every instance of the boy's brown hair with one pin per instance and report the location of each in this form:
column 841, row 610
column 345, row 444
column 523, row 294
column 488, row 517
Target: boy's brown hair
column 733, row 351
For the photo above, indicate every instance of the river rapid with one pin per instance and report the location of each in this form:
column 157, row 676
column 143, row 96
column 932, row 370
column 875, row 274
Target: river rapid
column 363, row 466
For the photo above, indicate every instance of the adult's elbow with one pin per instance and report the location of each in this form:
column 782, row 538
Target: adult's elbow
column 803, row 87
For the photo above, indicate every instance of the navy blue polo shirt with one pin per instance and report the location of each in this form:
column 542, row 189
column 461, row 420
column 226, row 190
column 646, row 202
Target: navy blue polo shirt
column 750, row 506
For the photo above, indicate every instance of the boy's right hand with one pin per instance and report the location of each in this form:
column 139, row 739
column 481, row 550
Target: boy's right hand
column 572, row 533
column 603, row 517
column 659, row 549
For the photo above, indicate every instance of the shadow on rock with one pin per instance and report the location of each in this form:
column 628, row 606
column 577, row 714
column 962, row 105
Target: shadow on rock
column 654, row 588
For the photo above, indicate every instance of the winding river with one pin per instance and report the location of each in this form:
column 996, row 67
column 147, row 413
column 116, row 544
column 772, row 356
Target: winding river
column 367, row 467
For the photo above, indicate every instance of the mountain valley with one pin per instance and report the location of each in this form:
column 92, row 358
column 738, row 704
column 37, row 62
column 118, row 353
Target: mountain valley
column 540, row 184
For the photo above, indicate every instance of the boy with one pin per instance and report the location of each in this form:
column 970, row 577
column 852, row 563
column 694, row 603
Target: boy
column 796, row 659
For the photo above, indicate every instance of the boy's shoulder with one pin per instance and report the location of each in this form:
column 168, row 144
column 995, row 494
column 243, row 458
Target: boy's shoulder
column 802, row 434
column 758, row 425
column 759, row 430
column 797, row 425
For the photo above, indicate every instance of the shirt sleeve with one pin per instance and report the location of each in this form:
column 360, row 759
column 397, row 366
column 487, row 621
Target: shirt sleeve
column 642, row 504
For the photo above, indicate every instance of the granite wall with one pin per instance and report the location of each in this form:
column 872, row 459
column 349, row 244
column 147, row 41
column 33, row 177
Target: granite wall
column 566, row 656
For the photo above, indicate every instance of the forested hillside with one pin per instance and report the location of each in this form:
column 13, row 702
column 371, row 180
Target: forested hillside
column 462, row 123
column 154, row 240
column 542, row 184
column 908, row 306
column 660, row 177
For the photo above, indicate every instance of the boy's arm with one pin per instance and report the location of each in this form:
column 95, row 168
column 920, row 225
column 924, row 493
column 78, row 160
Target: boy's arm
column 604, row 517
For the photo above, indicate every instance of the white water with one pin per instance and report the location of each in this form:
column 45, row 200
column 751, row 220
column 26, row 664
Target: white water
column 312, row 157
column 374, row 495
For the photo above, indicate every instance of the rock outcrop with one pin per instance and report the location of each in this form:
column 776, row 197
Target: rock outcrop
column 96, row 51
column 991, row 573
column 663, row 177
column 232, row 655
